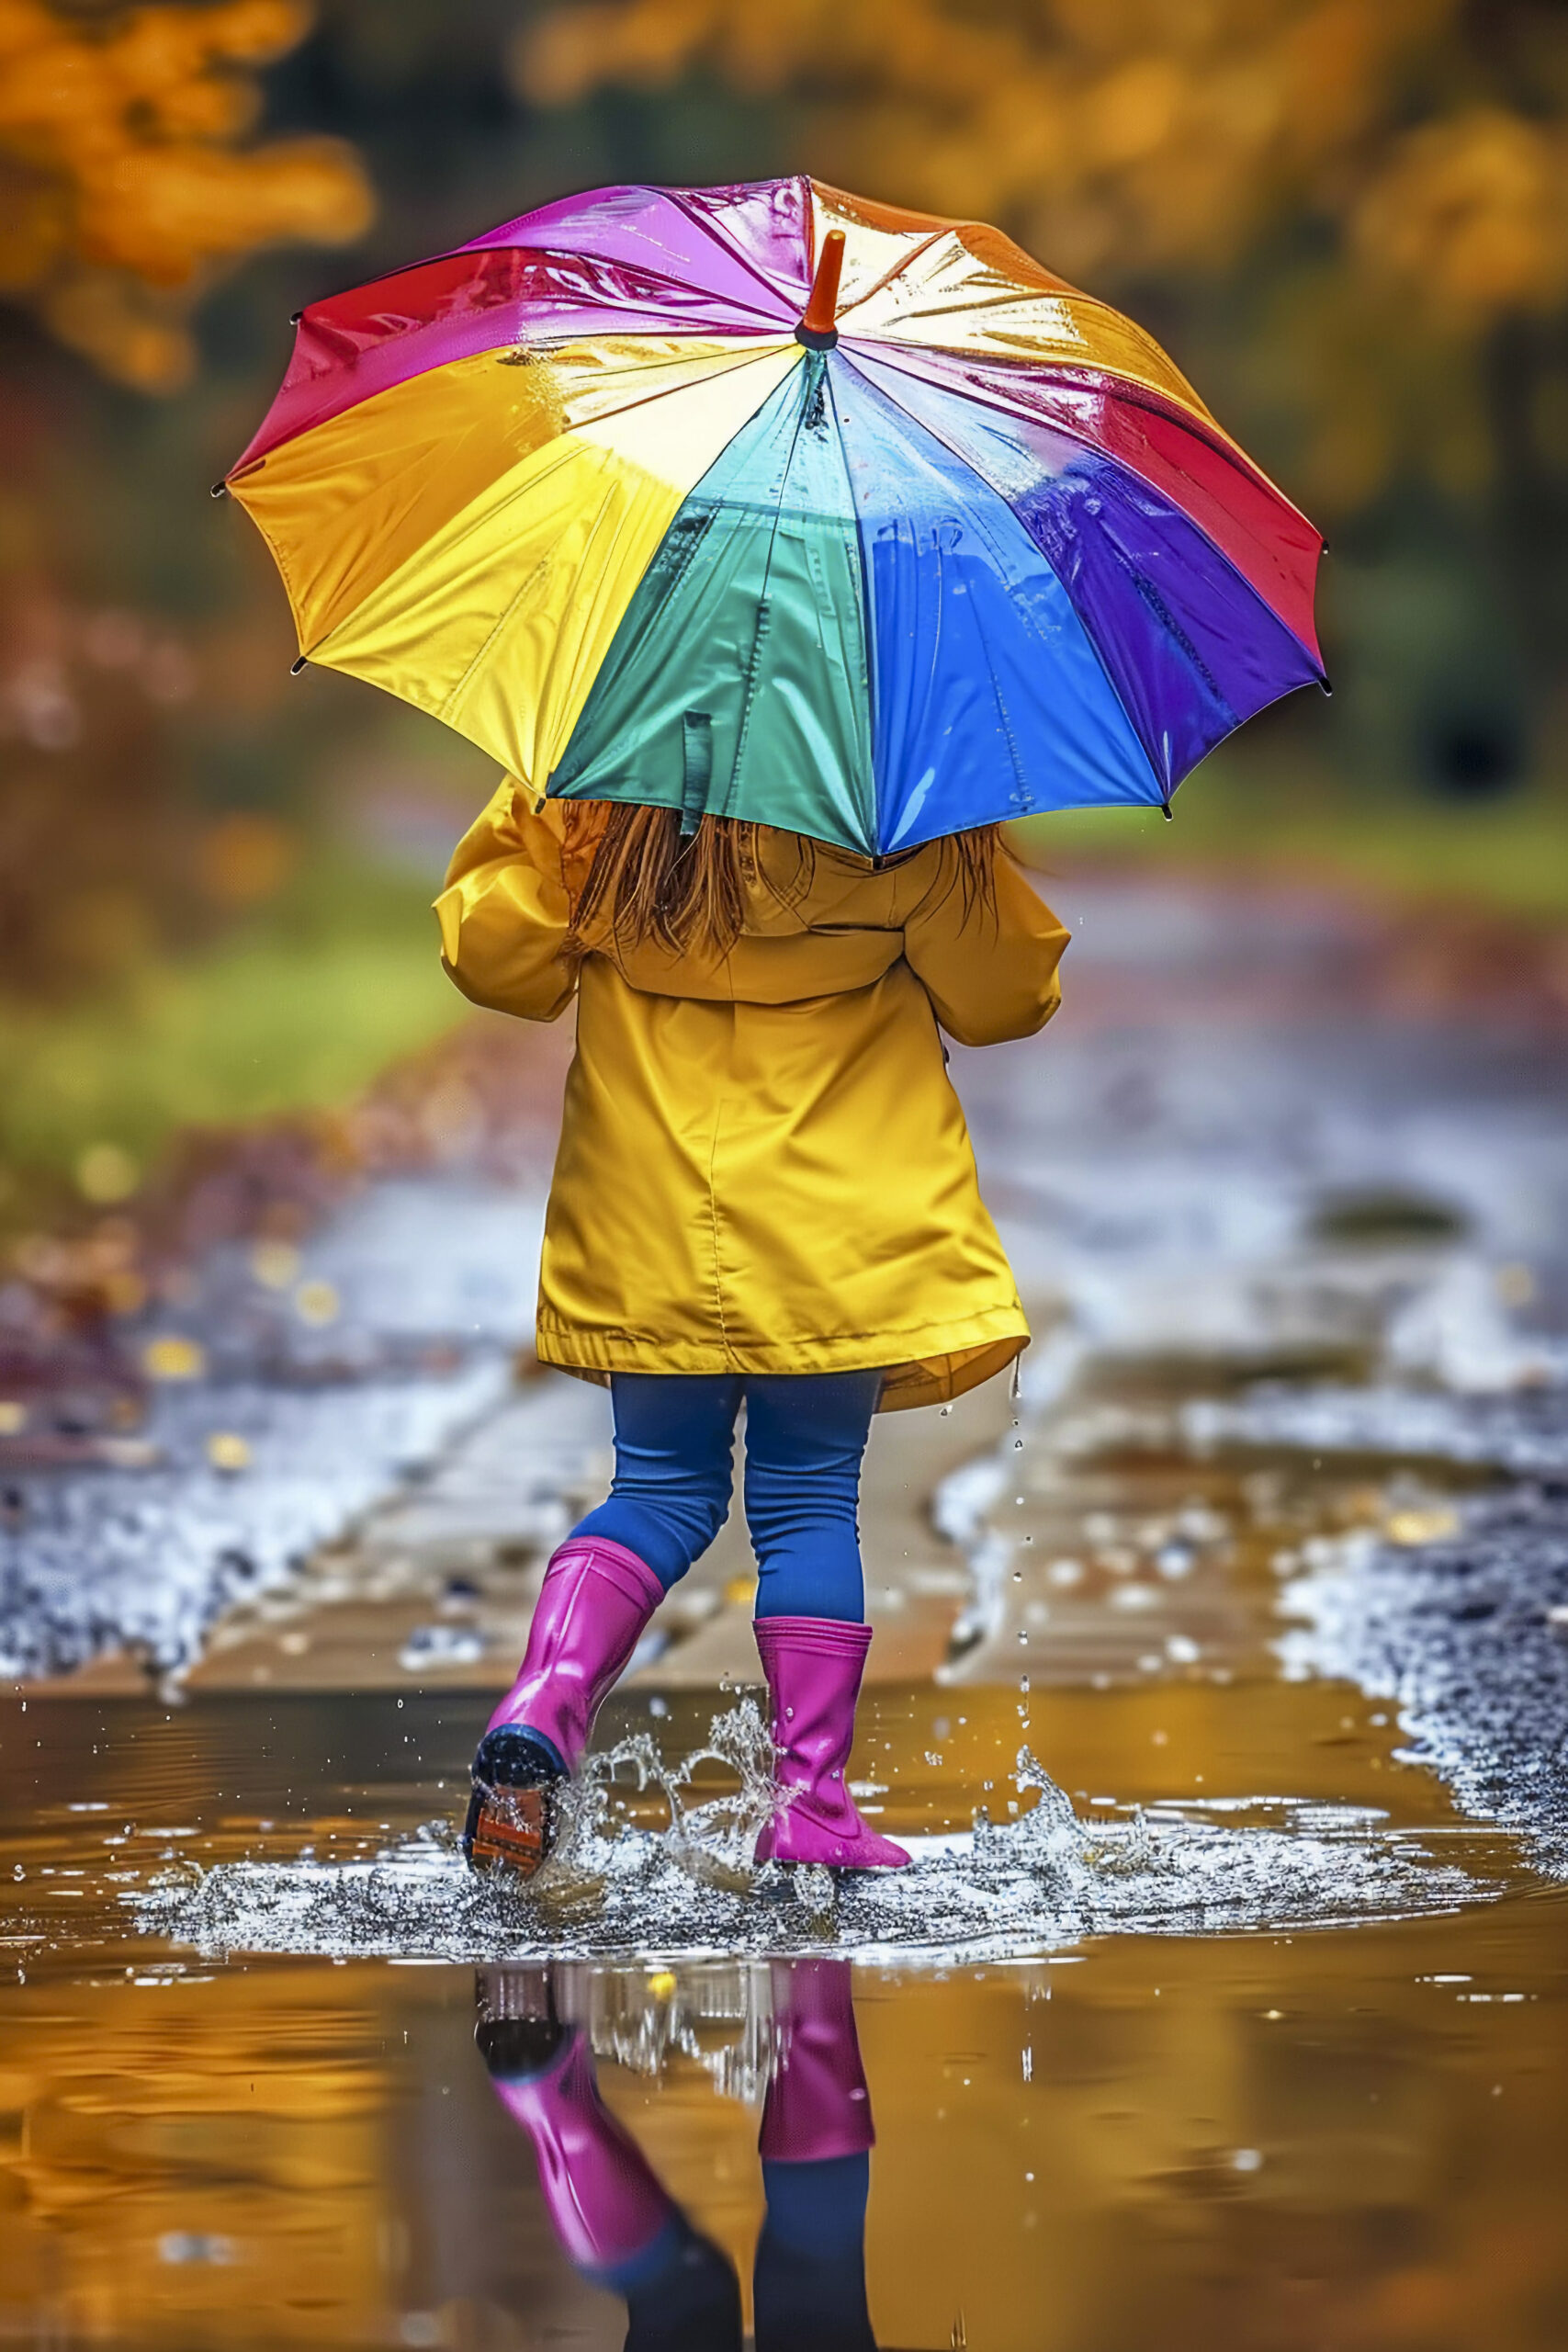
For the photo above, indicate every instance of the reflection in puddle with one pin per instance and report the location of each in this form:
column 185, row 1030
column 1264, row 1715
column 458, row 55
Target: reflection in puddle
column 1276, row 2143
column 618, row 2225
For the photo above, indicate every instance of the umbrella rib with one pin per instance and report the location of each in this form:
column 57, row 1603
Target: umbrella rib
column 565, row 436
column 743, row 731
column 1005, row 302
column 895, row 269
column 672, row 391
column 678, row 197
column 969, row 467
column 1228, row 449
column 868, row 634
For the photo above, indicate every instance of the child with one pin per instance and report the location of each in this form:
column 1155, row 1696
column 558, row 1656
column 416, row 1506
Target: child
column 764, row 1190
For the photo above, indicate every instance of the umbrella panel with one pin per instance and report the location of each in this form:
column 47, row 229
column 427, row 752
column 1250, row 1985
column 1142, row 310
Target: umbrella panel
column 848, row 633
column 480, row 574
column 1194, row 468
column 738, row 683
column 1190, row 647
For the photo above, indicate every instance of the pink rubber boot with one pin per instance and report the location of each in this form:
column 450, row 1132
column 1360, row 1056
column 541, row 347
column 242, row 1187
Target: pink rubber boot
column 604, row 2203
column 596, row 1601
column 814, row 1666
column 817, row 2104
column 614, row 2218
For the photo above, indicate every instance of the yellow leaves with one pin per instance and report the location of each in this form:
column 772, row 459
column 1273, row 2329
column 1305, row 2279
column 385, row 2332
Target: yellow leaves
column 34, row 222
column 106, row 1173
column 121, row 186
column 201, row 205
column 110, row 322
column 1413, row 1527
column 1472, row 212
column 561, row 59
column 274, row 1265
column 1131, row 112
column 317, row 1304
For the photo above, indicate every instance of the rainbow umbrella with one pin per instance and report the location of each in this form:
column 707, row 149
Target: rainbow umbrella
column 769, row 502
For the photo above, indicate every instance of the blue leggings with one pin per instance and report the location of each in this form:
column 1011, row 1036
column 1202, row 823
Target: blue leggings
column 804, row 1436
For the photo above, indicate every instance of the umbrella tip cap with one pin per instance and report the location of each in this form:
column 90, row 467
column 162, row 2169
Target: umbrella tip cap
column 817, row 326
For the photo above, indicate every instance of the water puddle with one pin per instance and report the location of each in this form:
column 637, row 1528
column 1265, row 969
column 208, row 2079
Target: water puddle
column 1003, row 1889
column 1165, row 2057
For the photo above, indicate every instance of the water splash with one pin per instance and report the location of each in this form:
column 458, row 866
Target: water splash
column 611, row 1890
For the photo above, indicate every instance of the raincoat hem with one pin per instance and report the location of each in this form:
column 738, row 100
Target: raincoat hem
column 952, row 1361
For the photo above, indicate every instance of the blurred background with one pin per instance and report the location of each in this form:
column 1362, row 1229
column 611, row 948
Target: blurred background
column 1347, row 219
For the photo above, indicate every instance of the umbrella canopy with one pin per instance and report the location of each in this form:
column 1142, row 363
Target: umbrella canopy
column 769, row 502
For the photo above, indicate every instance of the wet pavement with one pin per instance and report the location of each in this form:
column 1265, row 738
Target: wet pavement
column 1220, row 1683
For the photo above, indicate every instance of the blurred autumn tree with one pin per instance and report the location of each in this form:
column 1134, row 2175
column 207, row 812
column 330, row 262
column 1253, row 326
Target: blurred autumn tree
column 1350, row 218
column 123, row 184
column 130, row 183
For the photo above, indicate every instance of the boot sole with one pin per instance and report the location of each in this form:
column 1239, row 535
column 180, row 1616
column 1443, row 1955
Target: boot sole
column 518, row 1837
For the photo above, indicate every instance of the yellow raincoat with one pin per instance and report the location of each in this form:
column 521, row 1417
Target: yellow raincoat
column 764, row 1167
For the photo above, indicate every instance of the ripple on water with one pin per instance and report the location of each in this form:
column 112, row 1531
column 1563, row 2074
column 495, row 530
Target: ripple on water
column 688, row 1891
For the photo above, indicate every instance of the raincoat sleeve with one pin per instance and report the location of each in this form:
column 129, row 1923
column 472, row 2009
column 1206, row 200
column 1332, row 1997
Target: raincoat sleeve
column 989, row 976
column 507, row 909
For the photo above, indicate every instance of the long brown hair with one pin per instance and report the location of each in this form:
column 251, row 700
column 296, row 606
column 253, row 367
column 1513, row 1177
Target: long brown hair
column 687, row 893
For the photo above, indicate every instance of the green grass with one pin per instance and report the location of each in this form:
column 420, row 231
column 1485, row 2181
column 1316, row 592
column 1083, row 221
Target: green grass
column 298, row 1012
column 1303, row 824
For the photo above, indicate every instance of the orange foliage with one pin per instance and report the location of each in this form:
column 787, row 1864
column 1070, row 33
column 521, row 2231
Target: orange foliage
column 1475, row 210
column 123, row 184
